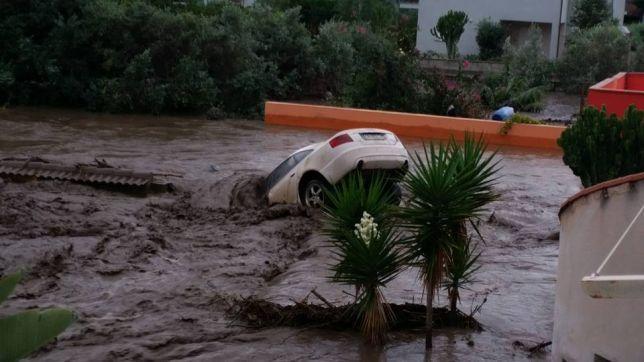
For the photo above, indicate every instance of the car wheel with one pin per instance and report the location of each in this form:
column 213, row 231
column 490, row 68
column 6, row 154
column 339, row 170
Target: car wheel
column 313, row 194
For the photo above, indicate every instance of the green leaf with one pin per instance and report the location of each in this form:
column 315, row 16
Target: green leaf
column 24, row 333
column 8, row 284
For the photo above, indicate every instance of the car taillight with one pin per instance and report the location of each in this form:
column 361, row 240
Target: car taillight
column 339, row 140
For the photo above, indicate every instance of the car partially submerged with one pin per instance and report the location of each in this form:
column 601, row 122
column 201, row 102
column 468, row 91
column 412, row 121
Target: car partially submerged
column 303, row 176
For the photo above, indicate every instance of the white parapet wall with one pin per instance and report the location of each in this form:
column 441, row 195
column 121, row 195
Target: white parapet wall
column 585, row 328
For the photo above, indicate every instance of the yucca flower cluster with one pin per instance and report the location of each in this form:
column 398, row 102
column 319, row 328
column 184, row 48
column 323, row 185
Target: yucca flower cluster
column 367, row 229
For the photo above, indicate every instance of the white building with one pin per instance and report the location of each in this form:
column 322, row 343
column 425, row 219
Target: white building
column 516, row 15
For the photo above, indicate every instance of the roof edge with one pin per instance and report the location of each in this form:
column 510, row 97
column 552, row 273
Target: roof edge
column 599, row 187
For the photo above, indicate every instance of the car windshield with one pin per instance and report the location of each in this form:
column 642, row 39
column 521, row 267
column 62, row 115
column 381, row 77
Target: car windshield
column 284, row 167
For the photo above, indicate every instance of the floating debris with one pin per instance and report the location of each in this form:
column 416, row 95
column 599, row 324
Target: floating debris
column 98, row 173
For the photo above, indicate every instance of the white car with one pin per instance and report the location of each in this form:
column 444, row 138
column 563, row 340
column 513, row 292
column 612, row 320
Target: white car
column 304, row 174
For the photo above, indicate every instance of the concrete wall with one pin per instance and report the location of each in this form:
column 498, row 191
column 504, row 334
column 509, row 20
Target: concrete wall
column 550, row 13
column 409, row 124
column 591, row 224
column 618, row 93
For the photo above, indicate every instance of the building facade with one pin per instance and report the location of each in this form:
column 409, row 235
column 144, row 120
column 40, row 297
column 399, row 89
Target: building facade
column 516, row 15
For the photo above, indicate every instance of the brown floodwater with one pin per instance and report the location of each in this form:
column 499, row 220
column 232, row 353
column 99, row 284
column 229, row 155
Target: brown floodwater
column 149, row 277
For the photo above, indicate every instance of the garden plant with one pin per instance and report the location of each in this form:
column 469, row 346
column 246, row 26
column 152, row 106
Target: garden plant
column 366, row 247
column 600, row 147
column 451, row 185
column 23, row 333
column 449, row 29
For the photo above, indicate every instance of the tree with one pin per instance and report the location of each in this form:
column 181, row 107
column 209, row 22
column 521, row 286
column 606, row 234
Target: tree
column 588, row 13
column 449, row 29
column 451, row 184
column 490, row 38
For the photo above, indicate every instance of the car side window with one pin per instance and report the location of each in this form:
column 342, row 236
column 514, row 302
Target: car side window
column 287, row 165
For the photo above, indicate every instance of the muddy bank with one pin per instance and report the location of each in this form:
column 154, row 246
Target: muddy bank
column 146, row 275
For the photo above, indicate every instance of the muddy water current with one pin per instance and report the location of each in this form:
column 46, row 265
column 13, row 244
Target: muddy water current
column 149, row 276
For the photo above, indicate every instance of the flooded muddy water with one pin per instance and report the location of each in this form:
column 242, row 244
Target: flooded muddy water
column 149, row 277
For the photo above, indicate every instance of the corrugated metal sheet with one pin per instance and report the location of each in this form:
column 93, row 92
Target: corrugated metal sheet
column 75, row 173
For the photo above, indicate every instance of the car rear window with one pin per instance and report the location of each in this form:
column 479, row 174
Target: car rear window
column 373, row 136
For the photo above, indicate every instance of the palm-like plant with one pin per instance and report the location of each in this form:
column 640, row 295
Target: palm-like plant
column 449, row 184
column 460, row 268
column 367, row 254
column 346, row 201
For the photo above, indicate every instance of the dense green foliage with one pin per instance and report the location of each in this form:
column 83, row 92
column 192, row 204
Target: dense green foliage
column 449, row 29
column 451, row 184
column 364, row 69
column 600, row 147
column 517, row 118
column 23, row 333
column 588, row 13
column 490, row 38
column 526, row 77
column 366, row 246
column 132, row 56
column 592, row 55
column 528, row 60
column 637, row 45
column 161, row 56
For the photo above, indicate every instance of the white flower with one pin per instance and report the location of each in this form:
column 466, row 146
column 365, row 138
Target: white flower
column 366, row 230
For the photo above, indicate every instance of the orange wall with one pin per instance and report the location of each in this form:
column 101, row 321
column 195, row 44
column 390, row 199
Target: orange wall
column 618, row 93
column 409, row 124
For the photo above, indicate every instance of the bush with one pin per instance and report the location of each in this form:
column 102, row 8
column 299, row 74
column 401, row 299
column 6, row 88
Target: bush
column 588, row 13
column 314, row 13
column 637, row 45
column 502, row 90
column 517, row 118
column 490, row 37
column 151, row 58
column 599, row 147
column 528, row 61
column 592, row 55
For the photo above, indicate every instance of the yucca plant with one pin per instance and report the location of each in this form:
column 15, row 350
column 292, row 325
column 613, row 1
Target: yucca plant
column 450, row 184
column 23, row 333
column 346, row 201
column 367, row 254
column 462, row 264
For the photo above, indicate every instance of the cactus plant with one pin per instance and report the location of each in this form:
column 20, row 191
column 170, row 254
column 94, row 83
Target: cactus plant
column 601, row 147
column 23, row 333
column 449, row 29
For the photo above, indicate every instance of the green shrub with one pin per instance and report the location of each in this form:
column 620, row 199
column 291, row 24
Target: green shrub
column 490, row 38
column 599, row 147
column 588, row 13
column 151, row 57
column 528, row 61
column 517, row 118
column 592, row 55
column 314, row 13
column 637, row 46
column 449, row 29
column 504, row 90
column 335, row 53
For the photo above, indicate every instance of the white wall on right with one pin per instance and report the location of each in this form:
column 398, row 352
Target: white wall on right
column 585, row 328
